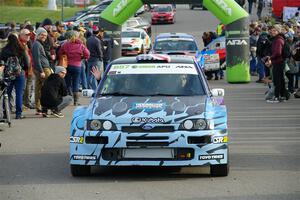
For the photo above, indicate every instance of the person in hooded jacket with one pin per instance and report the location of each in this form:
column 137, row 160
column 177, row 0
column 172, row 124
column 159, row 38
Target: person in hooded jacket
column 278, row 63
column 75, row 51
column 14, row 49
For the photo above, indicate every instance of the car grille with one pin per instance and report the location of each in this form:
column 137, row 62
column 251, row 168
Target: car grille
column 139, row 129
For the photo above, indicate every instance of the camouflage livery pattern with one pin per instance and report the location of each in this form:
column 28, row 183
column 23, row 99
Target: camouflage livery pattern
column 135, row 118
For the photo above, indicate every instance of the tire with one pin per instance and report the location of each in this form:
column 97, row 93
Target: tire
column 219, row 170
column 7, row 110
column 191, row 7
column 204, row 8
column 80, row 170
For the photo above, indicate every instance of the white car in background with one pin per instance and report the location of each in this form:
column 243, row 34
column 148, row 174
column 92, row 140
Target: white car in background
column 138, row 22
column 135, row 41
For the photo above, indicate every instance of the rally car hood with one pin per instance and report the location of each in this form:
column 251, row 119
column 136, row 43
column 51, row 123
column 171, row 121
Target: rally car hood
column 129, row 40
column 158, row 109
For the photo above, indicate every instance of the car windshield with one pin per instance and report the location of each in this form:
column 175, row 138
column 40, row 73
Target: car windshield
column 131, row 23
column 162, row 9
column 152, row 85
column 130, row 34
column 175, row 45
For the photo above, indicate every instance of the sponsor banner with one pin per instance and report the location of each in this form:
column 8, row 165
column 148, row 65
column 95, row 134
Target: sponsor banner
column 84, row 157
column 148, row 106
column 211, row 62
column 289, row 13
column 150, row 120
column 75, row 139
column 211, row 157
column 227, row 11
column 161, row 68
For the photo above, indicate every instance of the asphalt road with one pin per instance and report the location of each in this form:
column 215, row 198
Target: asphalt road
column 264, row 151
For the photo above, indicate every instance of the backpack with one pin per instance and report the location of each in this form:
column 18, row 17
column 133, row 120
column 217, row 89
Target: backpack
column 13, row 68
column 286, row 50
column 296, row 54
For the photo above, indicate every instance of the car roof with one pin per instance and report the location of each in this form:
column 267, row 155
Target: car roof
column 174, row 35
column 174, row 59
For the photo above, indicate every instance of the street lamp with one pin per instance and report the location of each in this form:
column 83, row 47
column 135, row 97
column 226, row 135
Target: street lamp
column 62, row 10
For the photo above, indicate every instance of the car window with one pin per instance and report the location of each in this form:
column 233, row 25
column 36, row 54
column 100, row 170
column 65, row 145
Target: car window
column 162, row 9
column 152, row 84
column 175, row 45
column 131, row 23
column 130, row 34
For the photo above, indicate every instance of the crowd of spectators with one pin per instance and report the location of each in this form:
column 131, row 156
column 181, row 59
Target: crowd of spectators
column 40, row 52
column 275, row 57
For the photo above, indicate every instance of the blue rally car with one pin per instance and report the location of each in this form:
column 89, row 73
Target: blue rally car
column 151, row 110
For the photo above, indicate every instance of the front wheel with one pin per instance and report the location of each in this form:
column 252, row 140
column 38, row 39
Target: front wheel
column 219, row 170
column 7, row 110
column 80, row 170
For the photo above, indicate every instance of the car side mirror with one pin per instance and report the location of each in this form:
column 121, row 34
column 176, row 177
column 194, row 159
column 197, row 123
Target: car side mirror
column 88, row 93
column 219, row 92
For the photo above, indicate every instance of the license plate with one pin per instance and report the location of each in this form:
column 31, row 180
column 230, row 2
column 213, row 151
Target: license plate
column 148, row 153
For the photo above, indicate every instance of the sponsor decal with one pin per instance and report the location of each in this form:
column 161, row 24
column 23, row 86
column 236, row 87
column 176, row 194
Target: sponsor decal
column 236, row 42
column 219, row 139
column 74, row 139
column 211, row 157
column 84, row 157
column 172, row 68
column 149, row 106
column 150, row 120
column 224, row 7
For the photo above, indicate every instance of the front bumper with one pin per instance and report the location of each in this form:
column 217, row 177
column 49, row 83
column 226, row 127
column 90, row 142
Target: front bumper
column 157, row 20
column 189, row 148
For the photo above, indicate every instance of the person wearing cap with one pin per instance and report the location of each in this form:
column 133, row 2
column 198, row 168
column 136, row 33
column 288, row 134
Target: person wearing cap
column 24, row 38
column 61, row 30
column 75, row 51
column 49, row 44
column 95, row 47
column 54, row 95
column 13, row 49
column 278, row 64
column 42, row 69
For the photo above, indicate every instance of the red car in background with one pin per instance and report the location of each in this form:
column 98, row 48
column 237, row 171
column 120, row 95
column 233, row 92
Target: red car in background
column 163, row 14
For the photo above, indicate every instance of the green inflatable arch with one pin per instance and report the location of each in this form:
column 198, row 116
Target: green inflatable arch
column 227, row 11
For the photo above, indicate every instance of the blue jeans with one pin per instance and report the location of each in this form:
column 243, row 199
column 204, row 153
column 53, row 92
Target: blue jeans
column 73, row 78
column 18, row 84
column 260, row 69
column 250, row 6
column 252, row 63
column 92, row 82
column 83, row 80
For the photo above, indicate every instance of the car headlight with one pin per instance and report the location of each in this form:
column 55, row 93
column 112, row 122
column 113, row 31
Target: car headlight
column 188, row 124
column 107, row 125
column 197, row 124
column 95, row 125
column 100, row 125
column 200, row 124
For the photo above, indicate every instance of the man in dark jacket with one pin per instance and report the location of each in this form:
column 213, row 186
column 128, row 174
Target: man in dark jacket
column 54, row 93
column 95, row 47
column 278, row 62
column 263, row 50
